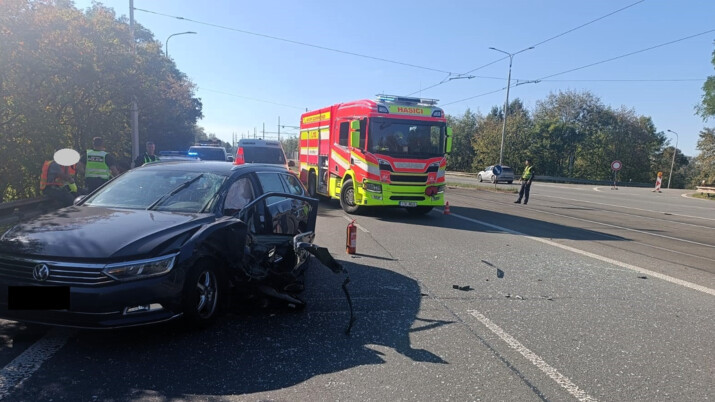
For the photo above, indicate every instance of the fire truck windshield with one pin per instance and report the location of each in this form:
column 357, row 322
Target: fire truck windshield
column 406, row 138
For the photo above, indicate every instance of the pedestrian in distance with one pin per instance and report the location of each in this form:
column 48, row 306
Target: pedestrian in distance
column 526, row 178
column 148, row 157
column 100, row 165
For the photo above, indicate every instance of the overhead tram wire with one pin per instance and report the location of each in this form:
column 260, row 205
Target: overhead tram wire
column 295, row 42
column 627, row 54
column 537, row 44
column 586, row 66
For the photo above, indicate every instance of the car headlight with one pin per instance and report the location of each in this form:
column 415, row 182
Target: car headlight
column 140, row 269
column 374, row 187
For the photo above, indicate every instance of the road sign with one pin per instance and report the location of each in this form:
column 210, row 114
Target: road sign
column 616, row 165
column 497, row 170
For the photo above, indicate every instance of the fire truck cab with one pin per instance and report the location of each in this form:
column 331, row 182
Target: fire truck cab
column 387, row 152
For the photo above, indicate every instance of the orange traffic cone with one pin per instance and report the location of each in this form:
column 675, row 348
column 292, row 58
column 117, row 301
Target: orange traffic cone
column 446, row 208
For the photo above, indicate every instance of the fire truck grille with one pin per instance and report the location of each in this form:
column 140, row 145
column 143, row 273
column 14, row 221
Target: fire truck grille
column 404, row 178
column 407, row 198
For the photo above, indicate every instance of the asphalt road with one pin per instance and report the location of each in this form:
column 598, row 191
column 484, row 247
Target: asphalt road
column 584, row 294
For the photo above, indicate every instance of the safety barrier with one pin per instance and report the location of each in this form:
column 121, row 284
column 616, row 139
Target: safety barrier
column 13, row 211
column 706, row 190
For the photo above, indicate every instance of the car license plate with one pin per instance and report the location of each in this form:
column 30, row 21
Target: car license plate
column 408, row 203
column 38, row 297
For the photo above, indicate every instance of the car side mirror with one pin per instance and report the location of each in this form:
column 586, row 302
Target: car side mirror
column 79, row 199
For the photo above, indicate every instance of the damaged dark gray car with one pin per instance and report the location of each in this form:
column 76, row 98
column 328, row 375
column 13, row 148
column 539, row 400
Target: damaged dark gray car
column 161, row 242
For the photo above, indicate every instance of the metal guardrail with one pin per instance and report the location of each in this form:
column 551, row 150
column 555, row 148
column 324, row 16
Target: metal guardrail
column 13, row 211
column 705, row 190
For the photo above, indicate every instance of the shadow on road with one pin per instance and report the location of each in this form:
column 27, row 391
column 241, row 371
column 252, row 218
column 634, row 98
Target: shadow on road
column 521, row 224
column 246, row 351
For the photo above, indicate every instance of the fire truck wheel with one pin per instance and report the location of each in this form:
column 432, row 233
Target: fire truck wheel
column 311, row 184
column 347, row 197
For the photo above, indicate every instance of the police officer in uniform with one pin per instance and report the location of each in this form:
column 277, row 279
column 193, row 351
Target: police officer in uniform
column 526, row 178
column 148, row 157
column 99, row 165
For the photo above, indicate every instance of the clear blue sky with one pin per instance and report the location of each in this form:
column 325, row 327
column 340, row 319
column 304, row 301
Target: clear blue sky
column 246, row 79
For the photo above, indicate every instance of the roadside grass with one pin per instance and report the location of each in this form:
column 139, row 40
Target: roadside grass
column 511, row 190
column 703, row 196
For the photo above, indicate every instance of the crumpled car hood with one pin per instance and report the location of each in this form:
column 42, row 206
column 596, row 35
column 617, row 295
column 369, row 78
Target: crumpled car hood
column 102, row 233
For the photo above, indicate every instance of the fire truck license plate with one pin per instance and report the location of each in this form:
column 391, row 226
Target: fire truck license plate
column 408, row 203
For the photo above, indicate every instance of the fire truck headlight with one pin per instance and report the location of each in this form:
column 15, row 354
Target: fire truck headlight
column 373, row 187
column 434, row 165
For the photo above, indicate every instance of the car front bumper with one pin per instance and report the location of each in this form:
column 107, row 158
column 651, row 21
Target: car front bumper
column 118, row 304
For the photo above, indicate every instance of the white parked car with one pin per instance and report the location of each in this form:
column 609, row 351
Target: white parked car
column 490, row 174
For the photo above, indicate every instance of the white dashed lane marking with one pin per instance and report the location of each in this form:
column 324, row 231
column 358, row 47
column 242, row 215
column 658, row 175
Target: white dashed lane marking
column 23, row 366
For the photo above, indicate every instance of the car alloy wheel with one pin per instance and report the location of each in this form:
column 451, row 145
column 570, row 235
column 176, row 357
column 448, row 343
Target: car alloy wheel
column 207, row 289
column 203, row 291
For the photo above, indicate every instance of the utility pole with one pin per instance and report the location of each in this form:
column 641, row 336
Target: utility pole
column 134, row 120
column 279, row 129
column 506, row 103
column 672, row 163
column 264, row 130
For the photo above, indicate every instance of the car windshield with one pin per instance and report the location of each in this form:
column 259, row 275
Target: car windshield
column 208, row 154
column 406, row 137
column 264, row 155
column 164, row 190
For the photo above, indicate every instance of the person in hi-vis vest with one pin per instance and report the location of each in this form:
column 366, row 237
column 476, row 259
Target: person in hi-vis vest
column 526, row 178
column 99, row 166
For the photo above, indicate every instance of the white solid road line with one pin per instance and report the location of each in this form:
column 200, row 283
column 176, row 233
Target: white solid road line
column 537, row 361
column 356, row 224
column 23, row 366
column 667, row 278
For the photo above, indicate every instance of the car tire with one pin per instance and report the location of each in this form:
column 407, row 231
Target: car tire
column 479, row 177
column 204, row 291
column 417, row 211
column 311, row 184
column 494, row 179
column 347, row 197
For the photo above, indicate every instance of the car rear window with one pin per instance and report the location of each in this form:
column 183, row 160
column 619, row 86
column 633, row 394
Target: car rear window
column 210, row 154
column 507, row 170
column 264, row 155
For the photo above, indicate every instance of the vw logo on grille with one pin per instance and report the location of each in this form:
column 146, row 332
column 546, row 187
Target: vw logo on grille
column 41, row 272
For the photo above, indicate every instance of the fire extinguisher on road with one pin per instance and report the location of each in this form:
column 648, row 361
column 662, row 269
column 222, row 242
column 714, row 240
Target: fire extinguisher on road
column 351, row 238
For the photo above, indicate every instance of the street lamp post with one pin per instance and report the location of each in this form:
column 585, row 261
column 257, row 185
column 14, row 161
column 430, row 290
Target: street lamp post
column 672, row 163
column 506, row 103
column 166, row 47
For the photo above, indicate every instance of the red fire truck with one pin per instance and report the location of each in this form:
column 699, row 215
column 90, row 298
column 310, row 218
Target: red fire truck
column 384, row 152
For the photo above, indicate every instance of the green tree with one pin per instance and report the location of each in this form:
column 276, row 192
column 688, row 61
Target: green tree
column 290, row 146
column 463, row 128
column 706, row 108
column 704, row 163
column 67, row 76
